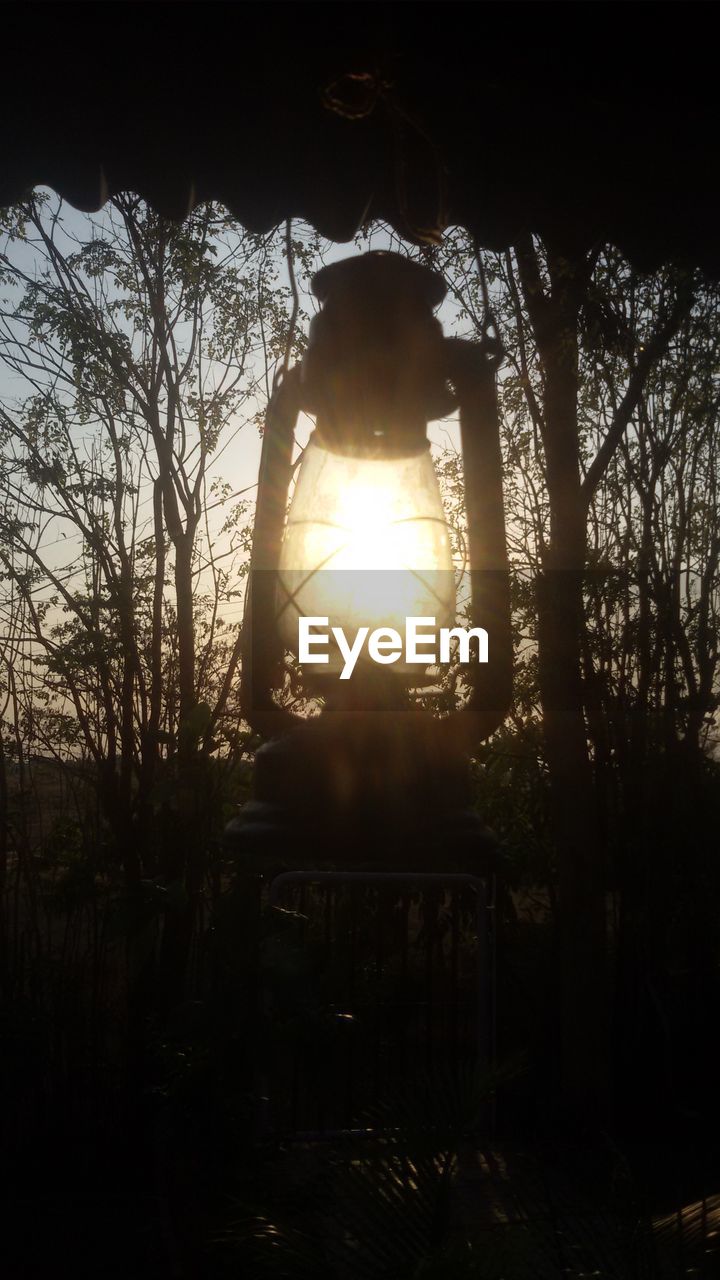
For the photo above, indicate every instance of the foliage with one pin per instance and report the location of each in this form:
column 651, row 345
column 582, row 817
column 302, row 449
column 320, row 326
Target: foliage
column 134, row 352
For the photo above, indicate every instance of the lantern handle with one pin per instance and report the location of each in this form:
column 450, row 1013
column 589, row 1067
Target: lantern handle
column 261, row 649
column 471, row 369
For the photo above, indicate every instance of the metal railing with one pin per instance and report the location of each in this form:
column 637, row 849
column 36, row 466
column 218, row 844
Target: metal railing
column 370, row 978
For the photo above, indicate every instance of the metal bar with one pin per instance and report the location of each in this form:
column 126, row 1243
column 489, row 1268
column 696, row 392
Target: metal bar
column 328, row 921
column 404, row 948
column 377, row 1006
column 482, row 963
column 455, row 975
column 320, row 886
column 350, row 1050
column 430, row 921
column 491, row 926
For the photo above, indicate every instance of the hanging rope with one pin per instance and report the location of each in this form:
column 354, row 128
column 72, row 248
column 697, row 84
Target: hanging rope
column 355, row 96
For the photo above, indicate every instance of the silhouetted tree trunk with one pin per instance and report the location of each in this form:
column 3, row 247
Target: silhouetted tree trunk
column 554, row 314
column 554, row 295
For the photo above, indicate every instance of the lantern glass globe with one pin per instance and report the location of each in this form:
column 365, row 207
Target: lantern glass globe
column 366, row 544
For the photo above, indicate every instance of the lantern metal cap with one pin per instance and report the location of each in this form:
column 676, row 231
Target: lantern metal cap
column 381, row 272
column 374, row 369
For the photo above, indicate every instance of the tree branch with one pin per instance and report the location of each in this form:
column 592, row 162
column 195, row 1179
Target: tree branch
column 653, row 350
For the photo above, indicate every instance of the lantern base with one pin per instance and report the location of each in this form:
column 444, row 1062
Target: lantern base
column 367, row 790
